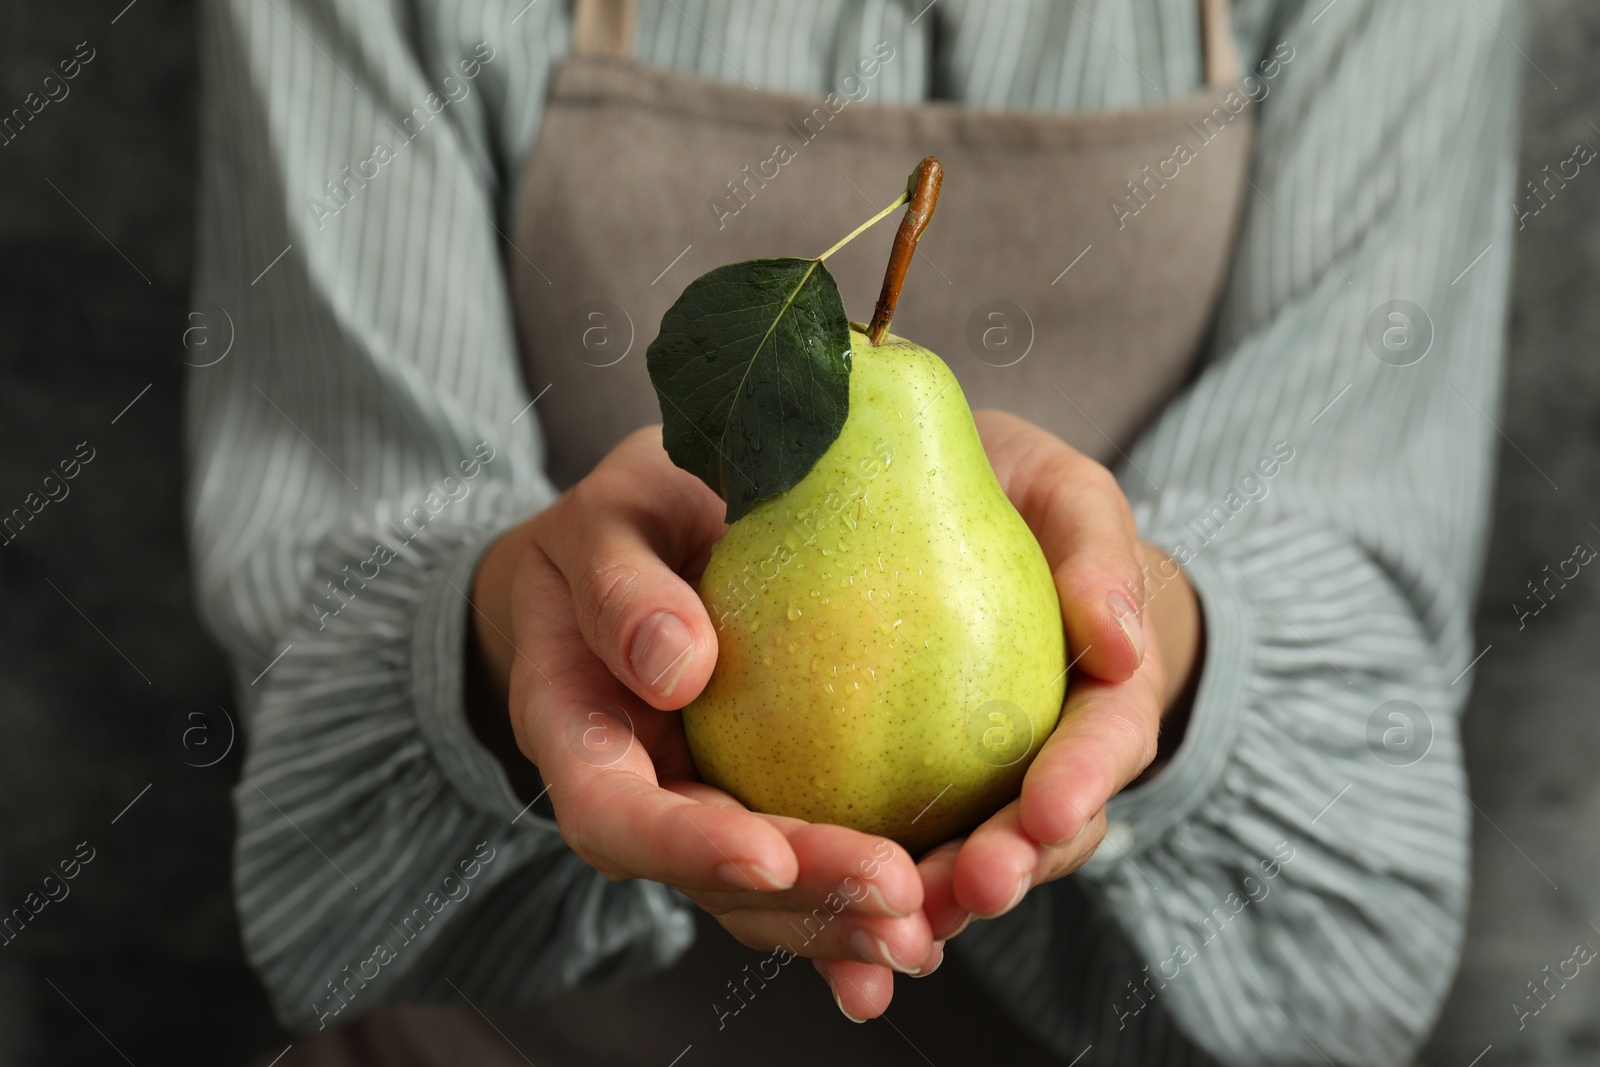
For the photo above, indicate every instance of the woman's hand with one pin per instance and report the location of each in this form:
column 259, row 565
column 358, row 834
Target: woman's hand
column 588, row 629
column 1133, row 629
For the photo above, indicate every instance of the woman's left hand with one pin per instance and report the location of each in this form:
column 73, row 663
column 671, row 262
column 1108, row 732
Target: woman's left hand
column 1133, row 648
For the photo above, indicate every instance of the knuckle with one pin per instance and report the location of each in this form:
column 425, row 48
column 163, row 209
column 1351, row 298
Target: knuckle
column 1058, row 861
column 1078, row 470
column 605, row 592
column 1099, row 476
column 581, row 501
column 1066, row 466
column 602, row 866
column 575, row 822
column 645, row 437
column 1117, row 566
column 1130, row 731
column 575, row 837
column 1125, row 508
column 1093, row 835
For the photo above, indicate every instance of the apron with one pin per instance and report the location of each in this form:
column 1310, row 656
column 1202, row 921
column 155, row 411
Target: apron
column 1070, row 275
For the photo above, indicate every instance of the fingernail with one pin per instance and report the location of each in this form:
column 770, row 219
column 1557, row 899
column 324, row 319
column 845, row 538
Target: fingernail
column 1068, row 839
column 1016, row 898
column 1127, row 617
column 874, row 949
column 840, row 1002
column 964, row 924
column 928, row 968
column 662, row 650
column 1022, row 890
column 876, row 896
column 750, row 876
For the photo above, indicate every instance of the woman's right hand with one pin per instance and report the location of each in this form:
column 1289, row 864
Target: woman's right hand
column 590, row 631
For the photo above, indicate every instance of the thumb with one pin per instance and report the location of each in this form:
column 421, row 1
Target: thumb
column 608, row 538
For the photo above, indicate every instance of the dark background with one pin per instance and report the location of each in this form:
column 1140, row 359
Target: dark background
column 100, row 651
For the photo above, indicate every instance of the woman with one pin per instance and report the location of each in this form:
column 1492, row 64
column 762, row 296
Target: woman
column 1235, row 250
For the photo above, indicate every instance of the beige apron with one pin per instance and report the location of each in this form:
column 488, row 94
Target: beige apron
column 1069, row 276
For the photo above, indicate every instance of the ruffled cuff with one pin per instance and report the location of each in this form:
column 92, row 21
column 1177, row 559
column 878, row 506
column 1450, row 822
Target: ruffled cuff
column 438, row 686
column 1287, row 828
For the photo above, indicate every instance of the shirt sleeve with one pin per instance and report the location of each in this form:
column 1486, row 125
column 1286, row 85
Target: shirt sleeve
column 1296, row 879
column 358, row 431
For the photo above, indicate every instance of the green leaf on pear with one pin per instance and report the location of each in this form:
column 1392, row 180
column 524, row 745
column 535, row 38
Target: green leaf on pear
column 752, row 368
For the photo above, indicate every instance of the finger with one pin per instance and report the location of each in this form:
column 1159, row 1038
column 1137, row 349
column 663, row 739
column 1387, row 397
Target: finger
column 999, row 863
column 1082, row 520
column 625, row 826
column 1088, row 534
column 861, row 990
column 871, row 876
column 995, row 866
column 1105, row 738
column 903, row 945
column 619, row 538
column 588, row 736
column 946, row 917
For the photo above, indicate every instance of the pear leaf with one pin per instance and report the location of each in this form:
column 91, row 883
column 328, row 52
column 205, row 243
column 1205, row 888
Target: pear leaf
column 752, row 367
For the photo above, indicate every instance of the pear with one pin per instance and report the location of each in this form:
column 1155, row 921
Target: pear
column 890, row 646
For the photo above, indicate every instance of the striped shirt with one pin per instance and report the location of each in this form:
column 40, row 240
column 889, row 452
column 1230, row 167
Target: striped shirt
column 1290, row 889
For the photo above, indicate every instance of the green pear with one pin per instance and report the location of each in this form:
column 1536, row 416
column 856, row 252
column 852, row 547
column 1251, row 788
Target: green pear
column 890, row 646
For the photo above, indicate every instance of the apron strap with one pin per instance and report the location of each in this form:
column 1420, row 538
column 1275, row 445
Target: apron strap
column 604, row 27
column 1221, row 58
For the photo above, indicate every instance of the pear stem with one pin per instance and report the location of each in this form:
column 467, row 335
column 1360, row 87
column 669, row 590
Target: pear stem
column 923, row 191
column 865, row 226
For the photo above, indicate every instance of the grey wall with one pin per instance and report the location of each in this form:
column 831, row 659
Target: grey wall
column 145, row 945
column 100, row 653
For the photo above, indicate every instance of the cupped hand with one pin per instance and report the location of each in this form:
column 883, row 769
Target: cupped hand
column 588, row 624
column 1132, row 624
